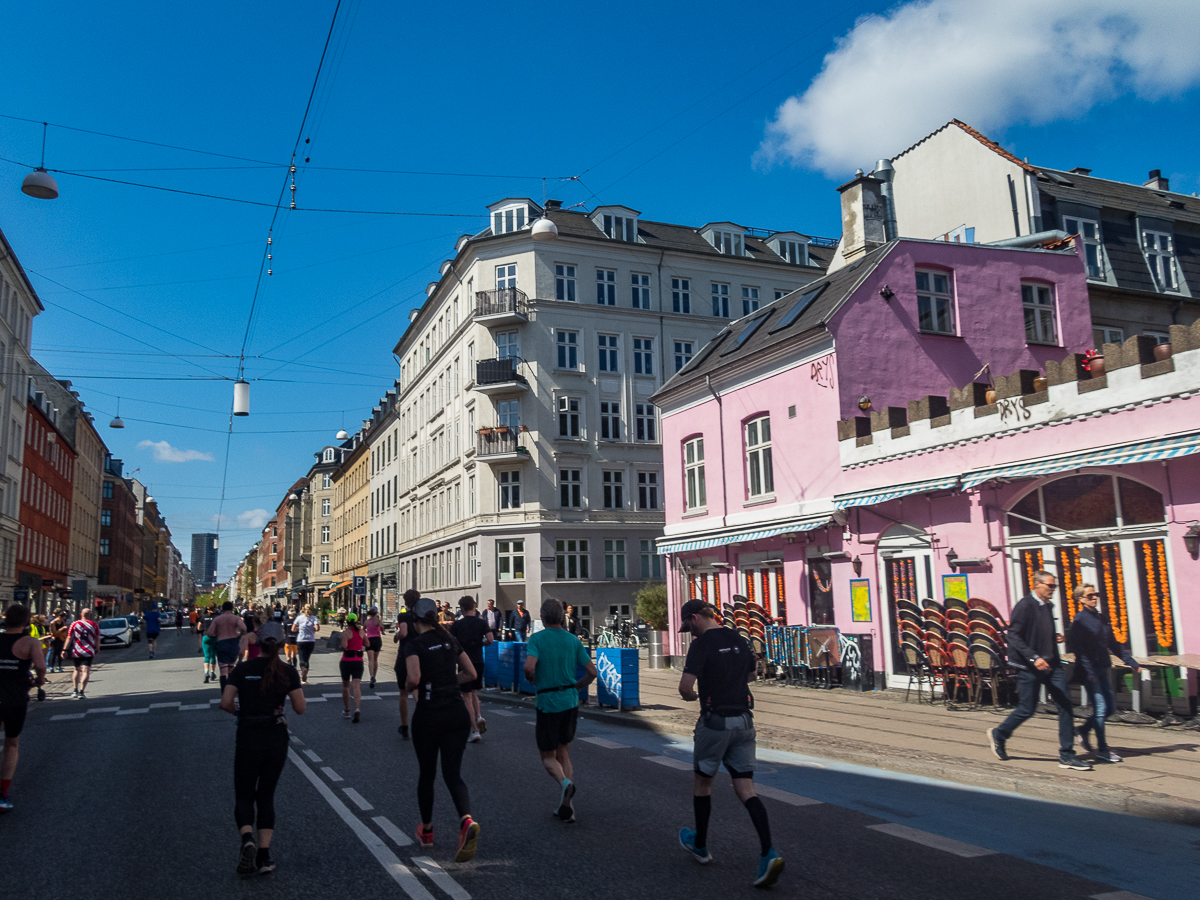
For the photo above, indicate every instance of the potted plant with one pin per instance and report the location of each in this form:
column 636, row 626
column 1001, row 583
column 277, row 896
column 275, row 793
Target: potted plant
column 990, row 396
column 1040, row 383
column 1162, row 351
column 1093, row 361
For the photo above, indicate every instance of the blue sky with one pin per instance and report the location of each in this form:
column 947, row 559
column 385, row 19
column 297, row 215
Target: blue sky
column 663, row 107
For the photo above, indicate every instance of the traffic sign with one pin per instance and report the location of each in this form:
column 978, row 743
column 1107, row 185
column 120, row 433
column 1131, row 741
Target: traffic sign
column 360, row 585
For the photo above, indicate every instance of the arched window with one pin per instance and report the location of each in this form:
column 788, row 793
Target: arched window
column 1085, row 502
column 328, row 454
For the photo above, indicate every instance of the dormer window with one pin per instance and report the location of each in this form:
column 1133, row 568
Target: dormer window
column 328, row 454
column 619, row 223
column 795, row 252
column 1089, row 233
column 727, row 242
column 1160, row 255
column 513, row 214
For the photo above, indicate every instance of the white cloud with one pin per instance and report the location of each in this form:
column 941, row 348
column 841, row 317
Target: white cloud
column 894, row 78
column 164, row 452
column 253, row 518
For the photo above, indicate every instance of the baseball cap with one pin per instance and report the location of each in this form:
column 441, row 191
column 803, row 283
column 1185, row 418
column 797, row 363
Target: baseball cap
column 351, row 617
column 690, row 609
column 424, row 607
column 270, row 633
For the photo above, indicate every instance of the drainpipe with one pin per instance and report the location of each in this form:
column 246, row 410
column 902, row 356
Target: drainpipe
column 884, row 172
column 662, row 334
column 721, row 438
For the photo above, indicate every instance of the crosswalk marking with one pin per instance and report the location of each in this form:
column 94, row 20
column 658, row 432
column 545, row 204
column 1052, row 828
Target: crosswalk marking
column 132, row 712
column 387, row 693
column 330, row 774
column 327, row 695
column 399, row 838
column 439, row 877
column 176, row 703
column 958, row 848
column 370, row 697
column 791, row 799
column 194, row 706
column 105, row 709
column 312, row 756
column 502, row 712
column 318, row 699
column 64, row 716
column 605, row 743
column 359, row 800
column 670, row 762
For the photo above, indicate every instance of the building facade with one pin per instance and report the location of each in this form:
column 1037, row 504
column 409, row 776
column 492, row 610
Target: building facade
column 321, row 496
column 83, row 561
column 120, row 552
column 352, row 491
column 204, row 559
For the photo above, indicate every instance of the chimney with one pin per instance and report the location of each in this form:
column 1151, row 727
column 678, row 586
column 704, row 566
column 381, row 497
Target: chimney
column 1156, row 181
column 553, row 204
column 1080, row 170
column 863, row 215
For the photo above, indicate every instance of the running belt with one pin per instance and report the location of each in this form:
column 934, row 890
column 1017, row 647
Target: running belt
column 561, row 687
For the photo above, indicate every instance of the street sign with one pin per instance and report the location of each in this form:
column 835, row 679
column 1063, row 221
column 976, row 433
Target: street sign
column 20, row 595
column 360, row 585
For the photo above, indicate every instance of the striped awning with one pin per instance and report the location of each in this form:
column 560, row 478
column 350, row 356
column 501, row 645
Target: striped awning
column 683, row 545
column 1143, row 451
column 891, row 492
column 338, row 586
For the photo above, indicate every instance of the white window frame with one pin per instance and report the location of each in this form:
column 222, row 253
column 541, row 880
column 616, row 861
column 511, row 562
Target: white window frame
column 1159, row 247
column 645, row 423
column 728, row 243
column 506, row 276
column 795, row 252
column 324, row 534
column 935, row 304
column 681, row 295
column 324, row 564
column 720, row 299
column 610, row 420
column 760, row 472
column 612, row 485
column 564, row 282
column 651, row 562
column 643, row 356
column 1038, row 300
column 567, row 343
column 621, row 228
column 510, row 555
column 326, row 506
column 606, row 286
column 639, row 290
column 695, row 495
column 572, row 560
column 1088, row 231
column 750, row 299
column 570, row 488
column 509, row 482
column 508, row 413
column 614, row 558
column 610, row 353
column 570, row 417
column 1107, row 334
column 684, row 351
column 508, row 220
column 648, row 490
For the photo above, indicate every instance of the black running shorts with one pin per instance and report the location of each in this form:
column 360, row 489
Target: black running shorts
column 79, row 661
column 12, row 714
column 351, row 668
column 555, row 729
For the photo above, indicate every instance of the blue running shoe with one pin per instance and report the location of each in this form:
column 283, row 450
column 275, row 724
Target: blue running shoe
column 5, row 804
column 687, row 840
column 770, row 867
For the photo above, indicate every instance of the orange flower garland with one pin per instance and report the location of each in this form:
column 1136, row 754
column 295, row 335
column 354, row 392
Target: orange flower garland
column 750, row 585
column 779, row 591
column 1160, row 603
column 1068, row 574
column 1114, row 591
column 717, row 591
column 1032, row 561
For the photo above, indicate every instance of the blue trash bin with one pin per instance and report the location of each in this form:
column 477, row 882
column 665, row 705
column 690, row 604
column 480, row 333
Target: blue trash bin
column 523, row 684
column 618, row 681
column 504, row 665
column 491, row 664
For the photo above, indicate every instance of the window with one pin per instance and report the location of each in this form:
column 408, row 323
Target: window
column 471, row 495
column 1089, row 234
column 568, row 417
column 324, row 534
column 325, row 506
column 472, row 561
column 647, row 490
column 651, row 562
column 608, row 353
column 105, row 518
column 506, row 220
column 641, row 290
column 643, row 356
column 508, row 413
column 681, row 295
column 614, row 559
column 683, row 354
column 564, row 283
column 935, row 306
column 570, row 488
column 510, row 490
column 693, row 467
column 510, row 560
column 568, row 349
column 610, row 421
column 1160, row 337
column 324, row 564
column 508, row 345
column 1160, row 255
column 795, row 252
column 758, row 456
column 506, row 277
column 1038, row 302
column 614, row 489
column 328, row 457
column 571, row 558
column 107, row 492
column 104, row 546
column 645, row 418
column 326, row 481
column 728, row 242
column 720, row 300
column 749, row 300
column 780, row 294
column 1107, row 334
column 606, row 286
column 621, row 228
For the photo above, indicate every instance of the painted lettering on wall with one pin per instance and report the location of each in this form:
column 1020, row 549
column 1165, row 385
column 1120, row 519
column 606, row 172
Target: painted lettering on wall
column 1013, row 410
column 821, row 371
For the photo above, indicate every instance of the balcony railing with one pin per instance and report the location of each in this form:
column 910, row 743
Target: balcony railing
column 502, row 302
column 498, row 441
column 498, row 371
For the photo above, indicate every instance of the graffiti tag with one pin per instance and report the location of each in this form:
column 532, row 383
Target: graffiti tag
column 1013, row 409
column 610, row 676
column 821, row 372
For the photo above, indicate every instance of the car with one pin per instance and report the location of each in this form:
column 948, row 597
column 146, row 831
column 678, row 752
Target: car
column 115, row 631
column 136, row 626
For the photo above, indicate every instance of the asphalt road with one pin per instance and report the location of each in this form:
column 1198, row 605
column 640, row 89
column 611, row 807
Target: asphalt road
column 129, row 793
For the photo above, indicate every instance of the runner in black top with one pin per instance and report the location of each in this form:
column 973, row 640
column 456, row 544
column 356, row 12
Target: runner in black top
column 18, row 651
column 720, row 663
column 436, row 667
column 255, row 693
column 405, row 631
column 472, row 634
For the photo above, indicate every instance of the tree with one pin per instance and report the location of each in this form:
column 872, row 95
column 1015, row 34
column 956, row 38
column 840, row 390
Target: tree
column 652, row 605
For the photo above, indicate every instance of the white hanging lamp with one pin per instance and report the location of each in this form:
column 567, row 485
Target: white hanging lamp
column 39, row 183
column 117, row 422
column 342, row 435
column 544, row 230
column 241, row 397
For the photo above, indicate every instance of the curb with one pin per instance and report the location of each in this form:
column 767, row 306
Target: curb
column 1049, row 788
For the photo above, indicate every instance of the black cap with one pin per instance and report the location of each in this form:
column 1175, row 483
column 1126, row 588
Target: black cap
column 690, row 609
column 424, row 607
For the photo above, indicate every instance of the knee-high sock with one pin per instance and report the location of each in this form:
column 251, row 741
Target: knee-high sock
column 758, row 815
column 703, row 808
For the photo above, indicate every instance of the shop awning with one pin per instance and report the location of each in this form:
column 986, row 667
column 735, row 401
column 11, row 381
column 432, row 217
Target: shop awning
column 1144, row 451
column 883, row 494
column 683, row 545
column 338, row 586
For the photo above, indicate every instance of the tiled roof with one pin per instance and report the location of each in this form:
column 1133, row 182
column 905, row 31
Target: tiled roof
column 983, row 139
column 1091, row 191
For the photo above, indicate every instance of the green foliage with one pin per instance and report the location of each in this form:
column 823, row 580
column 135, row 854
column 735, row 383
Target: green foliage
column 652, row 605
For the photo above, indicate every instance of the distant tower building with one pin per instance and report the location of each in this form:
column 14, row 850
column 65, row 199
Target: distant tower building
column 204, row 560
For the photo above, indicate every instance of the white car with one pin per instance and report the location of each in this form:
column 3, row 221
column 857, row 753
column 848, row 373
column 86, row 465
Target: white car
column 115, row 631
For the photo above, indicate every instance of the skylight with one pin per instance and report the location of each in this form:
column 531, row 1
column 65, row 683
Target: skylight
column 801, row 305
column 749, row 329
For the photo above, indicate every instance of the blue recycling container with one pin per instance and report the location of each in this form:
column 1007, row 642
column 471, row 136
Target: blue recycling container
column 491, row 664
column 524, row 685
column 504, row 665
column 617, row 684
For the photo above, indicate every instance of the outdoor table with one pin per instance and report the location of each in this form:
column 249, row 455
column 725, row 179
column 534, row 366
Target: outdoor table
column 1162, row 663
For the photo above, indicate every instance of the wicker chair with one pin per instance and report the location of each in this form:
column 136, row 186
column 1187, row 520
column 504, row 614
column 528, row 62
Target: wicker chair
column 989, row 669
column 918, row 669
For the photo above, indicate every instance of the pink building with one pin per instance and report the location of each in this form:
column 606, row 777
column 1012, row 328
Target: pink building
column 926, row 413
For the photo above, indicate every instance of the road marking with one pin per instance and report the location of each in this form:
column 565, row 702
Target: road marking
column 64, row 716
column 399, row 838
column 312, row 756
column 503, row 712
column 133, row 712
column 958, row 848
column 605, row 743
column 359, row 800
column 215, row 700
column 439, row 877
column 105, row 709
column 295, row 740
column 369, row 697
column 175, row 703
column 784, row 796
column 332, row 775
column 1118, row 895
column 400, row 873
column 195, row 706
column 338, row 694
column 387, row 693
column 670, row 762
column 318, row 699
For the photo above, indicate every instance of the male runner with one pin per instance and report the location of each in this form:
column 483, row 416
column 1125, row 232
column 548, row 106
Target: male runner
column 153, row 621
column 83, row 638
column 552, row 658
column 722, row 661
column 472, row 635
column 18, row 652
column 406, row 630
column 227, row 630
column 208, row 645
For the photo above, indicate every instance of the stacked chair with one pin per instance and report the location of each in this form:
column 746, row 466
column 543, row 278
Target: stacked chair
column 988, row 649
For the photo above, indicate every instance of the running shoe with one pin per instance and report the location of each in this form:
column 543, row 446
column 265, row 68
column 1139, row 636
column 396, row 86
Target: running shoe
column 404, row 732
column 345, row 713
column 1107, row 756
column 263, row 864
column 997, row 743
column 481, row 725
column 206, row 678
column 424, row 838
column 1082, row 737
column 245, row 864
column 687, row 840
column 5, row 804
column 74, row 693
column 356, row 716
column 1075, row 763
column 565, row 811
column 474, row 738
column 468, row 836
column 372, row 684
column 770, row 867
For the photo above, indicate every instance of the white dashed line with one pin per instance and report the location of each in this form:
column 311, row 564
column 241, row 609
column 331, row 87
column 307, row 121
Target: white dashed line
column 174, row 704
column 312, row 756
column 64, row 716
column 370, row 697
column 195, row 706
column 327, row 696
column 439, row 877
column 931, row 840
column 605, row 743
column 215, row 700
column 670, row 762
column 502, row 712
column 330, row 774
column 387, row 693
column 295, row 740
column 784, row 796
column 105, row 709
column 359, row 800
column 133, row 712
column 318, row 699
column 399, row 838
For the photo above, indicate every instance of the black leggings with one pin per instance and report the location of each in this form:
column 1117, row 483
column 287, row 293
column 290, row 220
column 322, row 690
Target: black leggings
column 258, row 761
column 305, row 649
column 443, row 730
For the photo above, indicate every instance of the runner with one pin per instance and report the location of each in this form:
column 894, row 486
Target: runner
column 305, row 628
column 405, row 631
column 256, row 693
column 553, row 657
column 153, row 621
column 227, row 630
column 437, row 667
column 83, row 638
column 179, row 621
column 351, row 666
column 193, row 614
column 722, row 661
column 290, row 638
column 58, row 639
column 472, row 635
column 209, row 644
column 373, row 630
column 17, row 653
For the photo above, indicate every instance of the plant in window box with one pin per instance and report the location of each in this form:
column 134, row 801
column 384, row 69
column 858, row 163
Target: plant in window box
column 485, row 431
column 523, row 450
column 1093, row 361
column 501, row 429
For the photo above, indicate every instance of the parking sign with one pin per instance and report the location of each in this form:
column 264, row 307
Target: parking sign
column 360, row 585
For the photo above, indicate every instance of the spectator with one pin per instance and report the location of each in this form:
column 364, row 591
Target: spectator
column 494, row 618
column 519, row 621
column 1091, row 639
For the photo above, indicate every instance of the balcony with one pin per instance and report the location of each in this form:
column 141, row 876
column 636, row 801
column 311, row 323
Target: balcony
column 506, row 306
column 499, row 376
column 499, row 444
